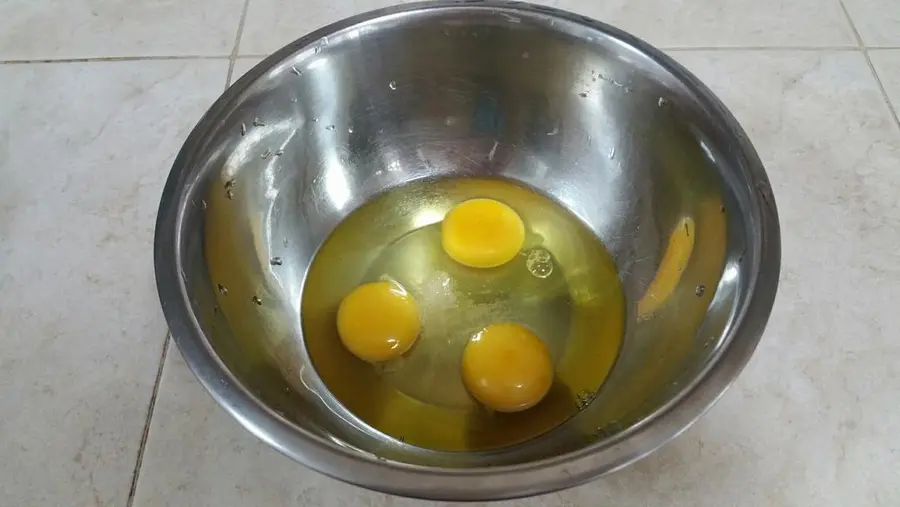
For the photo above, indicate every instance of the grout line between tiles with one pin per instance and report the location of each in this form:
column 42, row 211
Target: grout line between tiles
column 140, row 456
column 115, row 59
column 884, row 93
column 760, row 48
column 697, row 48
column 237, row 43
column 859, row 42
column 260, row 55
column 865, row 52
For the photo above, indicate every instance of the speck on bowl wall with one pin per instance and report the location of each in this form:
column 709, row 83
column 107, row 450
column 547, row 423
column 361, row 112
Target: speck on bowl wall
column 571, row 299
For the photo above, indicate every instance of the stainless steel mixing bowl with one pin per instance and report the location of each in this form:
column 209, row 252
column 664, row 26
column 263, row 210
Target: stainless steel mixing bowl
column 601, row 122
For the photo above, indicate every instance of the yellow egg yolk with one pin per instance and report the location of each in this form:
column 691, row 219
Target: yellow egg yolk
column 507, row 368
column 482, row 233
column 378, row 321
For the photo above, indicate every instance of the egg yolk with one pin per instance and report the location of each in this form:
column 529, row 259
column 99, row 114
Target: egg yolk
column 482, row 233
column 378, row 321
column 507, row 368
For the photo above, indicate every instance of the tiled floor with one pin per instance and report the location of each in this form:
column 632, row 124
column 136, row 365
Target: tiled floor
column 86, row 140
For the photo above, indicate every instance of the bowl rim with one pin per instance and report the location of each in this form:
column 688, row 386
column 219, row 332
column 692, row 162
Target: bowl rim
column 345, row 463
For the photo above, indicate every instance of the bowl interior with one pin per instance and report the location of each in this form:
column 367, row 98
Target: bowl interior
column 618, row 137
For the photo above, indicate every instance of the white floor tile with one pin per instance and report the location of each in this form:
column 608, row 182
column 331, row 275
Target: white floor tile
column 272, row 24
column 807, row 423
column 688, row 23
column 728, row 23
column 52, row 29
column 878, row 21
column 887, row 65
column 197, row 455
column 810, row 420
column 84, row 151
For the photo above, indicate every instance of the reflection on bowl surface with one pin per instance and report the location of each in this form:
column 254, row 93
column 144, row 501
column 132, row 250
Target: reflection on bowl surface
column 649, row 265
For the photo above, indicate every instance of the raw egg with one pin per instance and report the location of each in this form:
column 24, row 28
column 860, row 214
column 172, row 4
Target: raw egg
column 378, row 321
column 507, row 368
column 482, row 233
